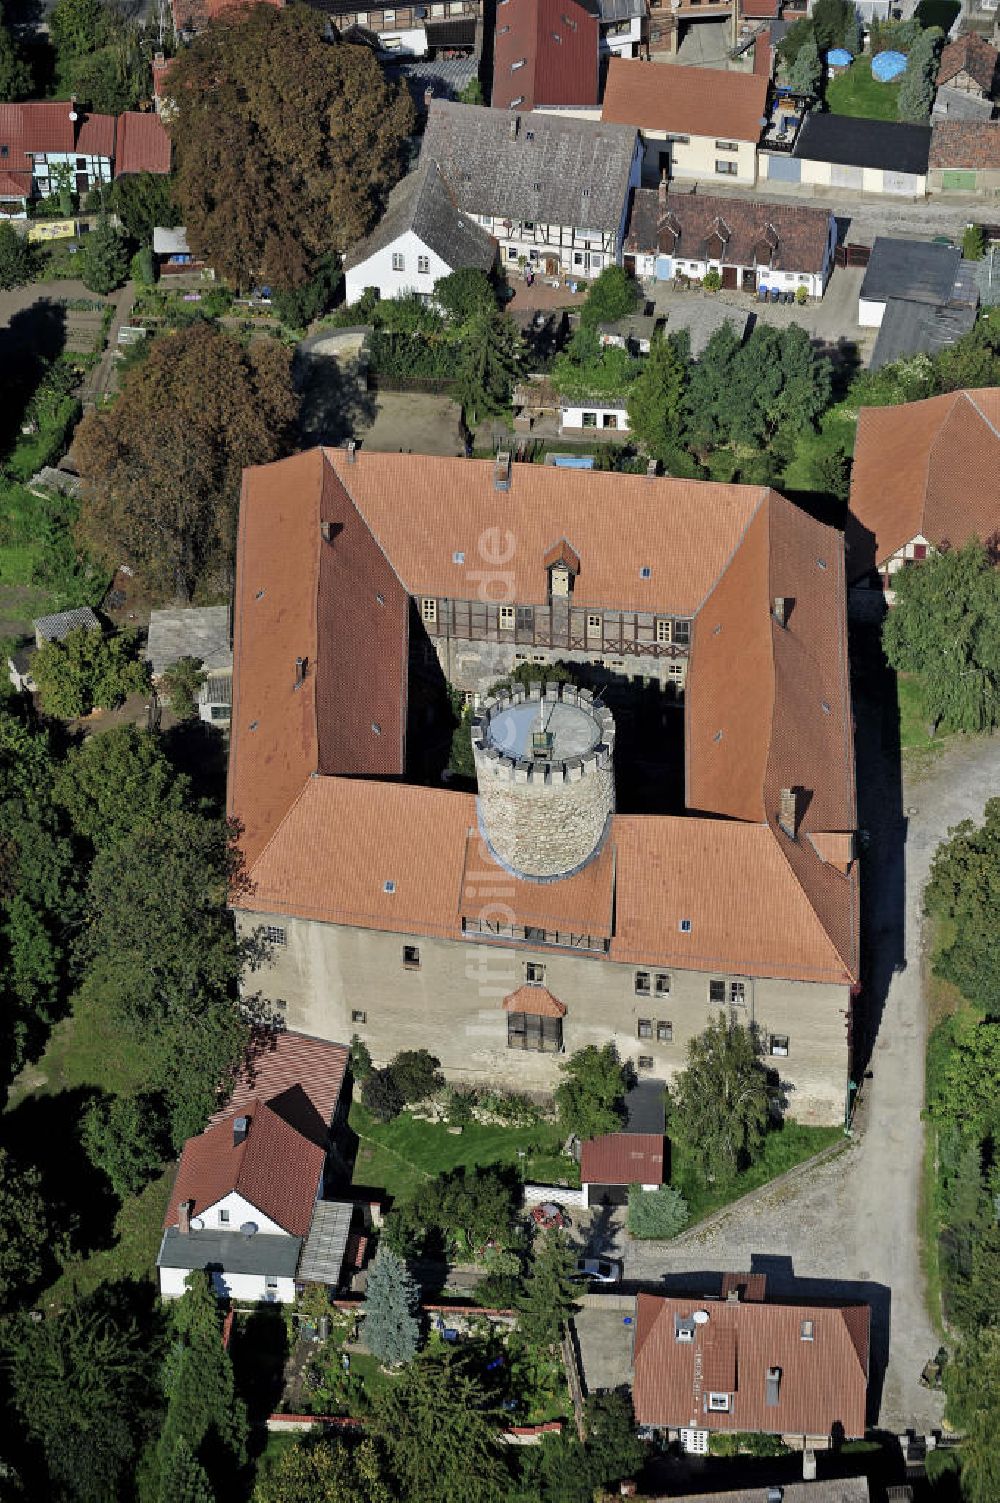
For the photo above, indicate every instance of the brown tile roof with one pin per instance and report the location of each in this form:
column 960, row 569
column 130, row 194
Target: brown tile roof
column 824, row 1490
column 692, row 101
column 755, row 901
column 143, row 144
column 556, row 42
column 536, row 1000
column 623, row 1158
column 969, row 54
column 297, row 1077
column 44, row 126
column 823, row 1382
column 274, row 1168
column 927, row 469
column 95, row 135
column 787, row 237
column 15, row 184
column 965, row 143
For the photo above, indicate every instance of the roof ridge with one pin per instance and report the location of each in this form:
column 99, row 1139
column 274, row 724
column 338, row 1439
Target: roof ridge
column 828, row 937
column 282, row 821
column 966, row 392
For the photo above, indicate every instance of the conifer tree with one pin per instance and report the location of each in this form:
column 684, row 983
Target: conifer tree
column 391, row 1329
column 547, row 1299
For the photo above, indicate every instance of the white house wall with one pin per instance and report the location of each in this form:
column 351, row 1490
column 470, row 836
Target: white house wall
column 409, row 43
column 572, row 419
column 239, row 1211
column 663, row 268
column 378, row 271
column 251, row 1287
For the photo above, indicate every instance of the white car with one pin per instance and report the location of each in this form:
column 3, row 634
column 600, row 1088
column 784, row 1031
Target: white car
column 598, row 1270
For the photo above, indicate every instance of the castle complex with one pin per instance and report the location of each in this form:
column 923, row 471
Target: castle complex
column 670, row 833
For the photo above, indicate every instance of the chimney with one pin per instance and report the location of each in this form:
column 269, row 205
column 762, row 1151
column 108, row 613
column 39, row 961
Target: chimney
column 184, row 1217
column 241, row 1126
column 502, row 471
column 808, row 1465
column 300, row 672
column 326, row 531
column 651, row 469
column 788, row 812
column 773, row 1387
column 661, row 191
column 428, row 96
column 513, row 125
column 159, row 57
column 350, row 446
column 733, row 1297
column 780, row 611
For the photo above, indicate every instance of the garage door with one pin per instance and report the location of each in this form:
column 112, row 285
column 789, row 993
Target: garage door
column 607, row 1195
column 782, row 169
column 963, row 181
column 664, row 268
column 846, row 177
column 901, row 182
column 729, row 277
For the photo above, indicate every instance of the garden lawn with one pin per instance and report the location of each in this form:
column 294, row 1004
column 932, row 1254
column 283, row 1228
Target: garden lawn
column 856, row 92
column 783, row 1149
column 398, row 1155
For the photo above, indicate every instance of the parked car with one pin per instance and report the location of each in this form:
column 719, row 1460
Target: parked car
column 599, row 1270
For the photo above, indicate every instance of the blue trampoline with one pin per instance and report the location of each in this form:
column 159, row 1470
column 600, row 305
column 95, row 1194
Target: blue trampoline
column 839, row 57
column 887, row 66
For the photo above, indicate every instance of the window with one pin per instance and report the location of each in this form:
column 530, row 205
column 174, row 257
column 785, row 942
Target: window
column 357, row 1016
column 529, row 224
column 727, row 146
column 411, row 957
column 642, row 983
column 682, row 633
column 685, row 924
column 645, row 1029
column 610, row 418
column 398, row 261
column 81, row 164
column 645, row 572
column 596, row 262
column 732, row 992
column 661, row 984
column 429, row 611
column 506, row 618
column 726, row 169
column 515, row 103
column 525, row 618
column 807, row 1331
column 223, row 1217
column 737, row 994
column 423, row 265
column 526, row 1030
column 779, row 1044
column 717, row 991
column 220, row 712
column 664, row 1033
column 662, row 630
column 512, row 253
column 275, row 936
column 594, row 623
column 534, row 972
column 533, row 934
column 719, row 1402
column 645, row 1061
column 590, row 419
column 519, row 64
column 680, row 140
column 920, row 551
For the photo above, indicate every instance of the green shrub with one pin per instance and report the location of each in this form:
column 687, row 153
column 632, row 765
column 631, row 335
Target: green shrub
column 381, row 1096
column 801, row 296
column 141, row 267
column 361, row 1060
column 416, row 1074
column 181, row 683
column 973, row 243
column 126, row 1137
column 712, row 280
column 658, row 1213
column 746, row 1443
column 511, row 1108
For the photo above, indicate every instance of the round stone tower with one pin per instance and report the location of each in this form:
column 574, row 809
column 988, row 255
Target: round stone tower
column 544, row 764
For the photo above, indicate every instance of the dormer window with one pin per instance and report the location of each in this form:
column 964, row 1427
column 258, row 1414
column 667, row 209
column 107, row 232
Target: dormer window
column 718, row 1403
column 559, row 580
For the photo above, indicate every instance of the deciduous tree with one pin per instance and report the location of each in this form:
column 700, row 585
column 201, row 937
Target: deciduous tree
column 163, row 465
column 286, row 140
column 946, row 627
column 392, row 1328
column 464, row 293
column 417, row 1073
column 613, row 1449
column 972, row 1384
column 611, row 296
column 590, row 1098
column 323, row 1471
column 143, row 200
column 181, row 683
column 104, row 262
column 125, row 1137
column 88, row 670
column 24, row 1228
column 15, row 258
column 118, row 782
column 721, row 1100
column 15, row 74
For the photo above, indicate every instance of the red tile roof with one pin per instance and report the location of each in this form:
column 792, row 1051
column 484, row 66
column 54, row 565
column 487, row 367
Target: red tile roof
column 298, row 1077
column 143, row 144
column 15, row 184
column 965, row 144
column 536, row 1000
column 95, row 135
column 693, row 101
column 822, row 1381
column 926, row 469
column 274, row 1168
column 759, row 10
column 753, row 900
column 623, row 1158
column 194, row 15
column 45, row 126
column 545, row 52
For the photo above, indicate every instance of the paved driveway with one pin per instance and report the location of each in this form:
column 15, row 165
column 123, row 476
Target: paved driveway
column 853, row 1225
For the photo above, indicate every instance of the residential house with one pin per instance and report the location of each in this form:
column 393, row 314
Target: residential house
column 702, row 123
column 751, row 244
column 545, row 52
column 622, row 26
column 408, row 913
column 48, row 629
column 964, row 156
column 839, row 151
column 422, row 236
column 921, row 297
column 48, row 145
column 739, row 1361
column 441, row 26
column 924, row 477
column 202, row 633
column 586, row 415
column 552, row 190
column 247, row 1202
column 969, row 65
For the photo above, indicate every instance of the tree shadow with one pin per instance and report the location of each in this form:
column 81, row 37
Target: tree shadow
column 259, row 1350
column 33, row 338
column 45, row 1131
column 201, row 753
column 335, row 401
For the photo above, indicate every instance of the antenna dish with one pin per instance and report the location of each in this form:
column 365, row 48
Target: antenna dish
column 197, row 1224
column 250, row 1227
column 73, row 115
column 700, row 1317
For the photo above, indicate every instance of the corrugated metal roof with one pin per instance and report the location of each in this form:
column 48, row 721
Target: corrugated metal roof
column 322, row 1260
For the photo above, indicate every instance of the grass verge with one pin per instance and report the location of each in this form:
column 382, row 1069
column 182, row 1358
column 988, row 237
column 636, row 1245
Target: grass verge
column 790, row 1145
column 856, row 92
column 398, row 1155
